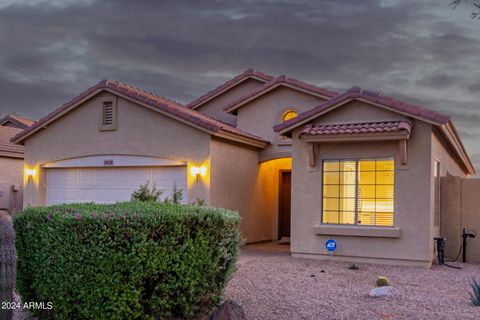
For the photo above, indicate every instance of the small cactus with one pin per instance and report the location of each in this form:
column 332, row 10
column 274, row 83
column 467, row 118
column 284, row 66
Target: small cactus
column 7, row 263
column 382, row 282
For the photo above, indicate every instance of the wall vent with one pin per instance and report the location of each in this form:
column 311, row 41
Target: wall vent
column 109, row 114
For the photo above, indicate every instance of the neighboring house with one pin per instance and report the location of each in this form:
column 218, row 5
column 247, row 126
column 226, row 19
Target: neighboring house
column 16, row 121
column 11, row 163
column 297, row 161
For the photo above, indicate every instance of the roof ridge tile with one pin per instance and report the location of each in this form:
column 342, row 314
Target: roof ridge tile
column 229, row 84
column 167, row 105
column 282, row 79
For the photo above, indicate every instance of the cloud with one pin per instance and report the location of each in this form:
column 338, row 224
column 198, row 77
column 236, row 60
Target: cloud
column 422, row 52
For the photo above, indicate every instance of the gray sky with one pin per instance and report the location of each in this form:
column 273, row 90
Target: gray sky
column 420, row 50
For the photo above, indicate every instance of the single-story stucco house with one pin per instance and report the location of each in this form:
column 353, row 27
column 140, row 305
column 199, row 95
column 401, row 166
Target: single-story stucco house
column 297, row 161
column 11, row 162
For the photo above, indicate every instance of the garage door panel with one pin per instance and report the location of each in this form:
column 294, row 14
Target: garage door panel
column 165, row 179
column 86, row 177
column 138, row 174
column 61, row 177
column 61, row 195
column 109, row 185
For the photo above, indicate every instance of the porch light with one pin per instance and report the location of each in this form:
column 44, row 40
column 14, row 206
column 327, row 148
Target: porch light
column 30, row 173
column 198, row 171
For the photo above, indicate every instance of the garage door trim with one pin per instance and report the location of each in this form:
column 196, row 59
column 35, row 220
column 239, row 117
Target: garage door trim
column 112, row 160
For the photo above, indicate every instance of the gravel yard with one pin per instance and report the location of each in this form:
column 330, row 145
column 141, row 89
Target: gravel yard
column 277, row 286
column 269, row 284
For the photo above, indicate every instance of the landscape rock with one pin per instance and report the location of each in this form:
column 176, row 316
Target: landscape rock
column 385, row 291
column 229, row 310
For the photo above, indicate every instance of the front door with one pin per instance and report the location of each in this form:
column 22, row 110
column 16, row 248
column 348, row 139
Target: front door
column 284, row 204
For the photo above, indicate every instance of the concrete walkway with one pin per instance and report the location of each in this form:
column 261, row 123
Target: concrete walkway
column 251, row 252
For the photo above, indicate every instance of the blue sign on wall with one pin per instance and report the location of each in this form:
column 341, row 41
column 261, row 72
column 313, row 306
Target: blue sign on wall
column 331, row 245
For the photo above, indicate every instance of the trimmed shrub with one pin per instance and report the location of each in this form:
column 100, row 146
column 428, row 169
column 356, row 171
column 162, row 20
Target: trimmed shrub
column 134, row 260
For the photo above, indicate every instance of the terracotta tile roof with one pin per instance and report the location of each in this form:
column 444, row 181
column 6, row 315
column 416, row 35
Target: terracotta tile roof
column 20, row 121
column 356, row 92
column 281, row 80
column 7, row 148
column 441, row 121
column 355, row 128
column 250, row 73
column 168, row 106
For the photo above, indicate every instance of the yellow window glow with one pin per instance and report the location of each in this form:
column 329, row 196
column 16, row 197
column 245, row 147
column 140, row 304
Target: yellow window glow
column 350, row 166
column 331, row 166
column 366, row 165
column 290, row 114
column 330, row 191
column 330, row 216
column 331, row 178
column 347, row 217
column 331, row 204
column 358, row 192
column 347, row 191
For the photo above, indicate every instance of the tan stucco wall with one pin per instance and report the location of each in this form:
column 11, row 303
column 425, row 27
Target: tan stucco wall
column 214, row 107
column 239, row 182
column 459, row 208
column 448, row 167
column 140, row 131
column 260, row 115
column 11, row 173
column 412, row 193
column 357, row 112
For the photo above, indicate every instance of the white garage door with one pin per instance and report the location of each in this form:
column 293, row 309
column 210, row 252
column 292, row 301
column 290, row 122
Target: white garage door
column 109, row 185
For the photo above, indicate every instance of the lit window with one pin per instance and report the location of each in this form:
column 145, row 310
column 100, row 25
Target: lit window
column 289, row 115
column 358, row 192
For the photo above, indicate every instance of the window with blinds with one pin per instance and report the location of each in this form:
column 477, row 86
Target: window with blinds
column 358, row 192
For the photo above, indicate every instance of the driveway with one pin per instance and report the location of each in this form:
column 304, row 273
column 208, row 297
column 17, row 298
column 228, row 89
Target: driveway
column 253, row 252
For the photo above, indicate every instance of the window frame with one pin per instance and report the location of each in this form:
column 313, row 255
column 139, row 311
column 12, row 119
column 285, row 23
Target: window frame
column 357, row 161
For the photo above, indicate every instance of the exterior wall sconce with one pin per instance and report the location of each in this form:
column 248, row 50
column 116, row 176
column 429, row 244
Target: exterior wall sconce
column 30, row 173
column 198, row 171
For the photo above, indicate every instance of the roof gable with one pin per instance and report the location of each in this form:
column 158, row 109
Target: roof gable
column 16, row 121
column 8, row 149
column 154, row 102
column 248, row 74
column 441, row 121
column 282, row 80
column 370, row 97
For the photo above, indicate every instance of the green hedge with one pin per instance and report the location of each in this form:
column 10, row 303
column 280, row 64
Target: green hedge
column 129, row 260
